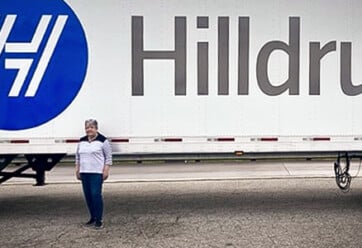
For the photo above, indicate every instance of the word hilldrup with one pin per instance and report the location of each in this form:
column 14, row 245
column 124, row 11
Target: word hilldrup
column 292, row 49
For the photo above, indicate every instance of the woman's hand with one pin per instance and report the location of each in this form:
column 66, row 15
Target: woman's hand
column 105, row 172
column 77, row 173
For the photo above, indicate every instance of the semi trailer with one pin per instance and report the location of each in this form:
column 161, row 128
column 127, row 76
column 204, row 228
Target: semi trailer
column 171, row 78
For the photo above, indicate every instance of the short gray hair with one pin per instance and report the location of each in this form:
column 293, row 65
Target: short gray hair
column 91, row 122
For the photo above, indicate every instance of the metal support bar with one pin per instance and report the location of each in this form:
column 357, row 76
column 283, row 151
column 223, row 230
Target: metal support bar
column 18, row 173
column 5, row 160
column 23, row 175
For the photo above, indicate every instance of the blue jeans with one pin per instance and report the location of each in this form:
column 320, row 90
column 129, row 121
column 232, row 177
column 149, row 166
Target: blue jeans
column 92, row 189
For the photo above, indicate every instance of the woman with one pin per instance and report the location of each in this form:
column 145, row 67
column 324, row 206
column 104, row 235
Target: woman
column 93, row 158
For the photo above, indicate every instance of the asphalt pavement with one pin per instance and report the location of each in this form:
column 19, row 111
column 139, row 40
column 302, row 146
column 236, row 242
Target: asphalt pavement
column 250, row 204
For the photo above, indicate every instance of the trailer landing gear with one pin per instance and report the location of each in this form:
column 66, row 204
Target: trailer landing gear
column 341, row 170
column 40, row 163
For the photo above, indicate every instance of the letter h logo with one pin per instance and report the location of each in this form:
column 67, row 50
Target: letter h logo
column 24, row 64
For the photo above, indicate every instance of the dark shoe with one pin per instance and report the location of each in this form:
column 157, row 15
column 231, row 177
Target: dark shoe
column 90, row 222
column 98, row 224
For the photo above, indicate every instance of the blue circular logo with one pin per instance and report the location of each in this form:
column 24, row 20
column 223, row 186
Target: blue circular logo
column 43, row 61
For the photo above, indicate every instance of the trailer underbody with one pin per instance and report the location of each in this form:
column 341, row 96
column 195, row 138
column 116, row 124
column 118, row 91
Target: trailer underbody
column 40, row 163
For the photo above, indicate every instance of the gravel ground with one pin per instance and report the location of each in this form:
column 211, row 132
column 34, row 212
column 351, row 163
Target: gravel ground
column 232, row 213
